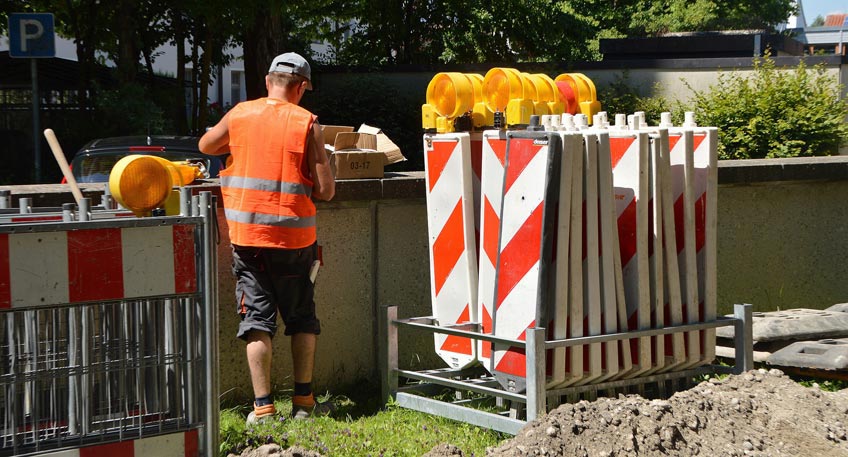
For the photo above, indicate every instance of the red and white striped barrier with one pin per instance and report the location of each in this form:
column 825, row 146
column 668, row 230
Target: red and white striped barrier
column 183, row 444
column 531, row 188
column 493, row 157
column 450, row 223
column 97, row 264
column 629, row 155
column 693, row 183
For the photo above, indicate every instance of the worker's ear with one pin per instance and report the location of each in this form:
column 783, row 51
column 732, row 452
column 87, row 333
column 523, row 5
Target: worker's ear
column 267, row 83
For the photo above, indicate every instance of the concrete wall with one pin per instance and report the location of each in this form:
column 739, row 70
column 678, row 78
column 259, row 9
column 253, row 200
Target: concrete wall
column 782, row 243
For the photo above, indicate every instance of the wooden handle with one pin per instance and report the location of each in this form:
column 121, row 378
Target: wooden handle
column 63, row 163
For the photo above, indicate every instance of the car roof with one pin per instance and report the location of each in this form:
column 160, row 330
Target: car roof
column 185, row 143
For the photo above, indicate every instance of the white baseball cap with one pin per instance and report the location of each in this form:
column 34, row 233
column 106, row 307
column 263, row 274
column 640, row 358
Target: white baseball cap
column 292, row 62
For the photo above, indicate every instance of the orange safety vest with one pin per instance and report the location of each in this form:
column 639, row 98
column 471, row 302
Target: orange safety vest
column 267, row 190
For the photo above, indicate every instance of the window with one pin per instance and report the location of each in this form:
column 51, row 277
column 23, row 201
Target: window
column 236, row 77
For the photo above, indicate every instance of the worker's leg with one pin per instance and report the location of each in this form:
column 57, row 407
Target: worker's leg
column 259, row 352
column 303, row 356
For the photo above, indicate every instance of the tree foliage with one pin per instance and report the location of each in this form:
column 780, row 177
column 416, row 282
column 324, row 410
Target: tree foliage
column 663, row 16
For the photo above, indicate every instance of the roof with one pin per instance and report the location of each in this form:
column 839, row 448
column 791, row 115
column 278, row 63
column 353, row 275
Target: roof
column 835, row 20
column 169, row 142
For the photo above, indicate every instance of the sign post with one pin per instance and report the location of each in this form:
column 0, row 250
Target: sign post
column 31, row 36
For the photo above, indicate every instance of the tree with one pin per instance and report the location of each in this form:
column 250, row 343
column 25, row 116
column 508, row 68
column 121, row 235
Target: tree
column 663, row 16
column 818, row 21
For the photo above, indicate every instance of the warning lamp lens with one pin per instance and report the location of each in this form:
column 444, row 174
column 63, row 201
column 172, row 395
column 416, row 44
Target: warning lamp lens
column 140, row 183
column 500, row 85
column 452, row 94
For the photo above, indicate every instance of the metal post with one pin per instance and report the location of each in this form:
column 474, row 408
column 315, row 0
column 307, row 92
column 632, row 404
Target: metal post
column 84, row 214
column 210, row 322
column 67, row 212
column 387, row 353
column 535, row 355
column 5, row 199
column 743, row 337
column 25, row 205
column 185, row 201
column 36, row 127
column 106, row 199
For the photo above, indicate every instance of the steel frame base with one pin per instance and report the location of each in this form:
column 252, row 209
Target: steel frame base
column 534, row 401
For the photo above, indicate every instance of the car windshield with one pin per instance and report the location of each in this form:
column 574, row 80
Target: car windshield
column 96, row 167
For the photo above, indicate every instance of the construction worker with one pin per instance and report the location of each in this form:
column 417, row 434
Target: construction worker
column 278, row 166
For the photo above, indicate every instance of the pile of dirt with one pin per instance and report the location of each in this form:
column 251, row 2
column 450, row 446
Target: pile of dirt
column 759, row 413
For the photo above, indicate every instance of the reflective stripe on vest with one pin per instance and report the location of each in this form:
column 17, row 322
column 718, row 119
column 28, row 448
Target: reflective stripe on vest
column 266, row 189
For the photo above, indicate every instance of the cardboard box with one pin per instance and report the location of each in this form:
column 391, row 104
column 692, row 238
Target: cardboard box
column 360, row 154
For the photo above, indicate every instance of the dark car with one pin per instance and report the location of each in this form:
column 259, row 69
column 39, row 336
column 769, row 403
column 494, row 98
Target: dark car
column 94, row 161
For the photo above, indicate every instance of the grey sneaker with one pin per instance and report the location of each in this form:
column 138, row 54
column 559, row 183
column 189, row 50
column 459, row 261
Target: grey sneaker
column 305, row 406
column 260, row 414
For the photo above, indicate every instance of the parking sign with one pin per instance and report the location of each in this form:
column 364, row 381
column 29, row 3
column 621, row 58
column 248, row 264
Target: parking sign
column 31, row 35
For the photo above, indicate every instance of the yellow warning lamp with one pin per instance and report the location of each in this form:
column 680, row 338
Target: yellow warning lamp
column 449, row 95
column 585, row 94
column 140, row 183
column 481, row 115
column 503, row 90
column 548, row 92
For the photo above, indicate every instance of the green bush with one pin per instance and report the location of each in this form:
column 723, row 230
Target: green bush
column 774, row 113
column 620, row 97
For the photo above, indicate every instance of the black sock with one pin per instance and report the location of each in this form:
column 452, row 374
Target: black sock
column 302, row 388
column 262, row 401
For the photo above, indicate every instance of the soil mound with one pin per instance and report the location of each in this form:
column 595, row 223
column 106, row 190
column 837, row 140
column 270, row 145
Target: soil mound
column 759, row 413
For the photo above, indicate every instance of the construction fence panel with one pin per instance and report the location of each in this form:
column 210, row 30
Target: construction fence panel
column 106, row 334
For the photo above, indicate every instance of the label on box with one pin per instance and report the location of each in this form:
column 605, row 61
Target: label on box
column 358, row 164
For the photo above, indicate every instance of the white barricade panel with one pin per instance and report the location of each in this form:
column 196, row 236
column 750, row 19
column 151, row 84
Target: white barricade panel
column 450, row 224
column 493, row 156
column 531, row 187
column 571, row 167
column 667, row 280
column 629, row 154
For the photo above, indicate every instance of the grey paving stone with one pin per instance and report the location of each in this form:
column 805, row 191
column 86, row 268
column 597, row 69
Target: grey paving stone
column 799, row 324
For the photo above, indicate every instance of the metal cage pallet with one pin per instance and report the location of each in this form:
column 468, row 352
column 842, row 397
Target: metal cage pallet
column 113, row 340
column 536, row 397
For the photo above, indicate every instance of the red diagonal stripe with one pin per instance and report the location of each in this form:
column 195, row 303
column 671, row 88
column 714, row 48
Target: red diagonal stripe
column 672, row 141
column 95, row 265
column 697, row 140
column 448, row 247
column 499, row 148
column 487, row 329
column 678, row 223
column 627, row 233
column 459, row 344
column 514, row 360
column 700, row 221
column 521, row 152
column 618, row 147
column 5, row 275
column 491, row 228
column 476, row 158
column 185, row 276
column 520, row 254
column 438, row 158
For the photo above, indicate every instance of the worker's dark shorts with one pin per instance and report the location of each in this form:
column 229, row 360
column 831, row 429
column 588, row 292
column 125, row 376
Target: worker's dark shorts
column 271, row 280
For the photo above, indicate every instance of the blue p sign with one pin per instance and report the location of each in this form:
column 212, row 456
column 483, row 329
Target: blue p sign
column 31, row 35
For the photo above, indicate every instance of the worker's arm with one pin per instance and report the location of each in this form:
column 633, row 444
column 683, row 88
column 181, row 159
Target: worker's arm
column 323, row 182
column 216, row 141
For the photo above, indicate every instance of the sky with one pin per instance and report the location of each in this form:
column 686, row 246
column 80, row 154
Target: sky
column 813, row 8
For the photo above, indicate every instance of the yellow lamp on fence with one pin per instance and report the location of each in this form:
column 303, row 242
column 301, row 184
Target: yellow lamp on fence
column 450, row 95
column 141, row 183
column 537, row 94
column 481, row 115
